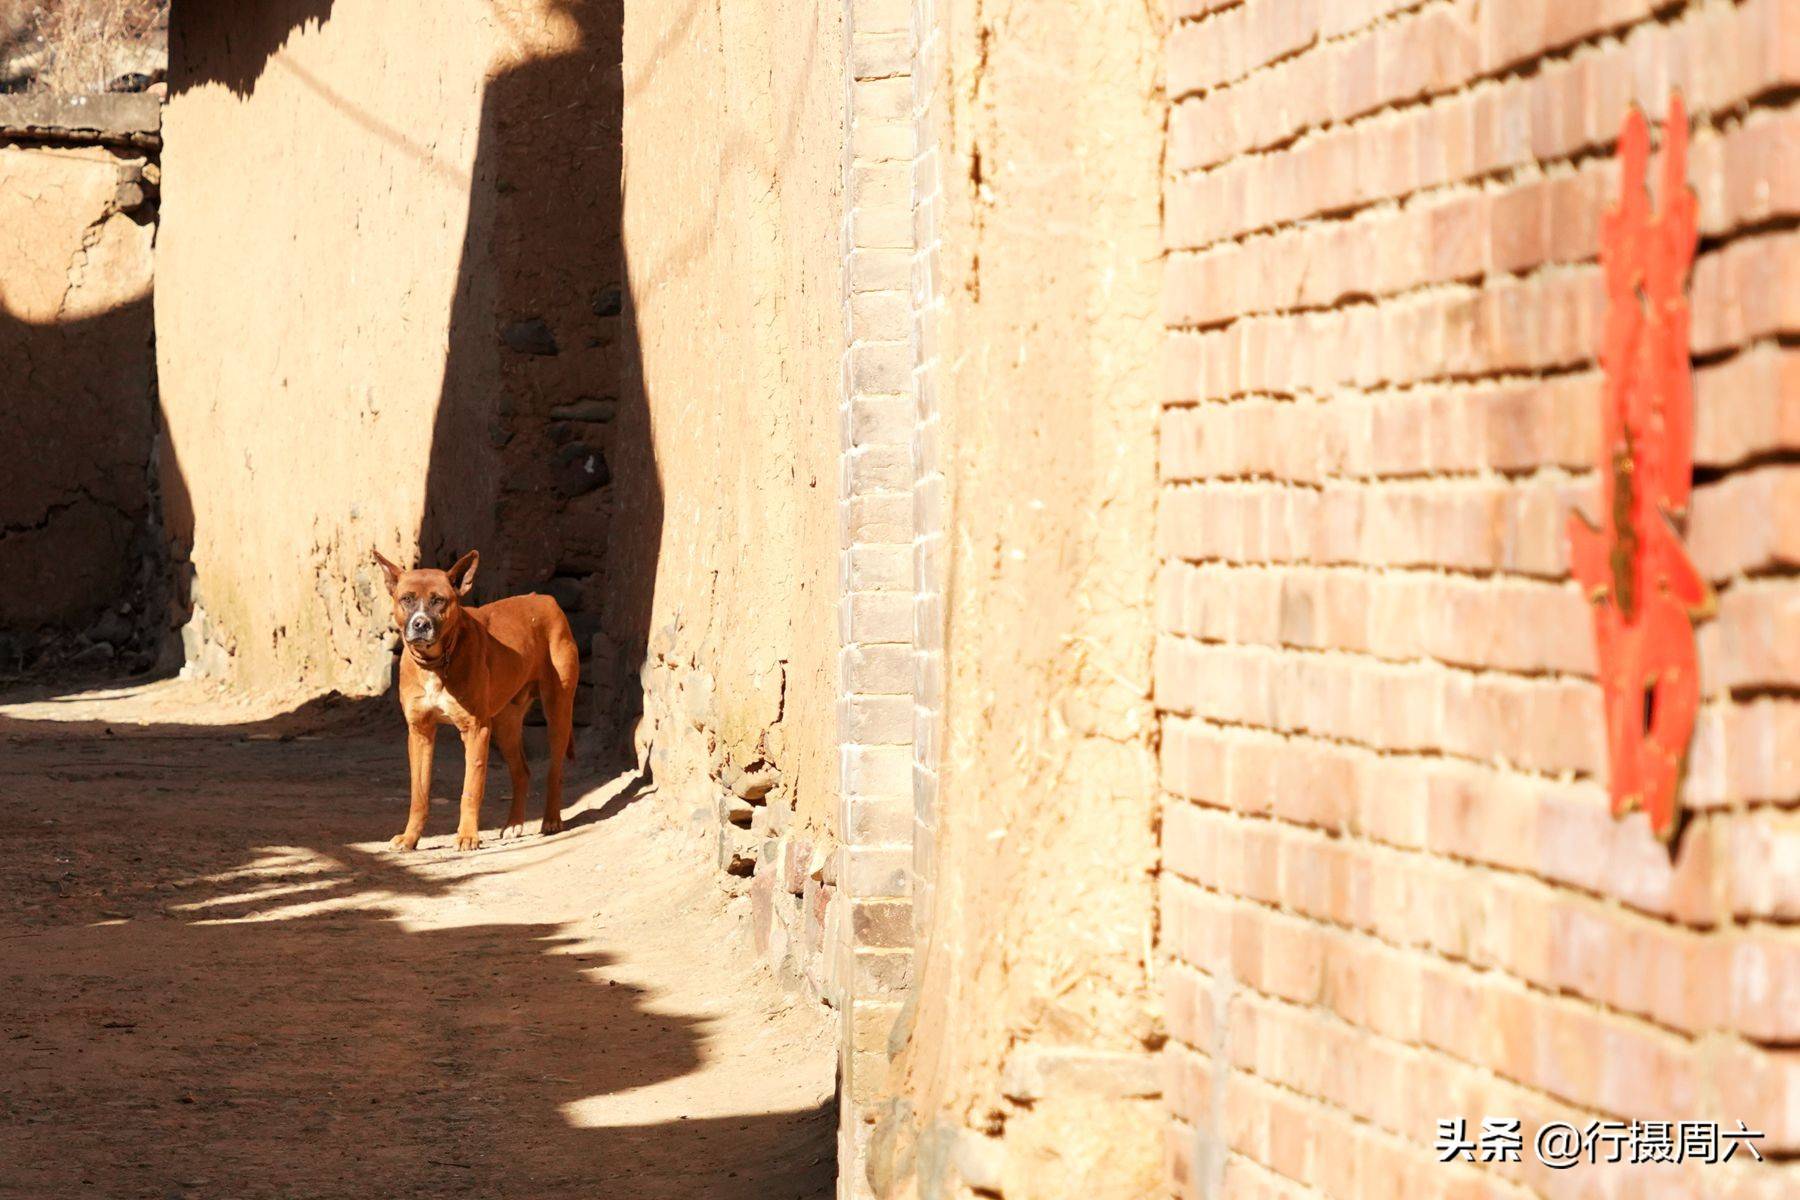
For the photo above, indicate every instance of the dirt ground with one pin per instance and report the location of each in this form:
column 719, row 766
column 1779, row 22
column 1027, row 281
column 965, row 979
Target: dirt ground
column 220, row 983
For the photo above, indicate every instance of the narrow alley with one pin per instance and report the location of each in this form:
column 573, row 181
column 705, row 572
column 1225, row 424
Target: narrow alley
column 1167, row 601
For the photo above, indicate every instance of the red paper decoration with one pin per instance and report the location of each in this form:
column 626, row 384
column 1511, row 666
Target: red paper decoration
column 1645, row 591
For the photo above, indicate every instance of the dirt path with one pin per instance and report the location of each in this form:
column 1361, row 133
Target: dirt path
column 219, row 983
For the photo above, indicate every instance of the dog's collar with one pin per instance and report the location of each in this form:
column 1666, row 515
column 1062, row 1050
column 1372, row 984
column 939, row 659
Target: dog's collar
column 445, row 646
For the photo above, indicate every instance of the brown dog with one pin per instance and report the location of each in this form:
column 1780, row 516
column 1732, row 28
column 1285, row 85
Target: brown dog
column 479, row 668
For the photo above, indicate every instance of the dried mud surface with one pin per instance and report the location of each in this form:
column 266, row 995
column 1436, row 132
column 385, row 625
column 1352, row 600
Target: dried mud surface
column 219, row 983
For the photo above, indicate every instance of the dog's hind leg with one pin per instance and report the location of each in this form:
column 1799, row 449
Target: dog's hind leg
column 558, row 692
column 476, row 739
column 509, row 735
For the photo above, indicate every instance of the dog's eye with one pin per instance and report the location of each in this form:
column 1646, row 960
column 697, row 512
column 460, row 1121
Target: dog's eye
column 409, row 600
column 438, row 602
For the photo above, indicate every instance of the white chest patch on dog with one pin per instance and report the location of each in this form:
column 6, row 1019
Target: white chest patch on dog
column 435, row 697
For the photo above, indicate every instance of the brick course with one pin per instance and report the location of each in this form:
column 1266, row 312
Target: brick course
column 875, row 725
column 1392, row 889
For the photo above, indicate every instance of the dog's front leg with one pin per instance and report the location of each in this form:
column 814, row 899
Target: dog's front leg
column 421, row 737
column 475, row 764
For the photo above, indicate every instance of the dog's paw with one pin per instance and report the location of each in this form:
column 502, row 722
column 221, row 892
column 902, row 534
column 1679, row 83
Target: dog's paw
column 552, row 824
column 401, row 841
column 468, row 841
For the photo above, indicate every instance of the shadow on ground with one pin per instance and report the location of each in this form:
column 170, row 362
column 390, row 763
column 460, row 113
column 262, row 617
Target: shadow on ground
column 219, row 987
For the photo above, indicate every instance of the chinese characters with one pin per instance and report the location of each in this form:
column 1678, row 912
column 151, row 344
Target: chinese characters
column 1561, row 1145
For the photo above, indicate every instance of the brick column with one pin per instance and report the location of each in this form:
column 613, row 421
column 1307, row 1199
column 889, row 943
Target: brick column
column 928, row 475
column 873, row 924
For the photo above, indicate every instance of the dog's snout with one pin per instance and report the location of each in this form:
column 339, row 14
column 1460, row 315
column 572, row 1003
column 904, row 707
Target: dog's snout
column 420, row 628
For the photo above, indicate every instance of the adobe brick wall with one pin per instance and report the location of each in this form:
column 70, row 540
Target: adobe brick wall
column 1392, row 890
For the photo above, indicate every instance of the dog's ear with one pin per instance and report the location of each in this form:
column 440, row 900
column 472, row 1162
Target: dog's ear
column 389, row 570
column 462, row 575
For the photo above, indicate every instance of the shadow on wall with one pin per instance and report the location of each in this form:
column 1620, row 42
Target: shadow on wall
column 541, row 453
column 84, row 570
column 253, row 31
column 577, row 510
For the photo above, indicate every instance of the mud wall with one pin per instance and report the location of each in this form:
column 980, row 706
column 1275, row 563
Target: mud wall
column 312, row 253
column 733, row 141
column 79, row 555
column 1023, row 1065
column 1394, row 893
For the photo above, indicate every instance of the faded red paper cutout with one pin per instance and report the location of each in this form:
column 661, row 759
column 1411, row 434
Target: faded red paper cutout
column 1645, row 591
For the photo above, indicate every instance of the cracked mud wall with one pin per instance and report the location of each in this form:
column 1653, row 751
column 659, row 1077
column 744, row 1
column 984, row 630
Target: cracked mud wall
column 733, row 138
column 1025, row 1064
column 77, row 397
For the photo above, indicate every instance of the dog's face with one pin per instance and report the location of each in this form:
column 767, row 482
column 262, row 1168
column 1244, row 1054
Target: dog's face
column 428, row 603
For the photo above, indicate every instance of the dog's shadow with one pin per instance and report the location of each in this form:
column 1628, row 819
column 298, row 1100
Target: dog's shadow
column 590, row 793
column 612, row 800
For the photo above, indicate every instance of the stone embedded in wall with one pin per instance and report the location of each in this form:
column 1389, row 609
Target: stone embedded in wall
column 735, row 810
column 567, row 591
column 753, row 782
column 1034, row 1073
column 609, row 301
column 530, row 336
column 125, row 120
column 597, row 409
column 739, row 850
column 797, row 863
column 581, row 468
column 815, row 906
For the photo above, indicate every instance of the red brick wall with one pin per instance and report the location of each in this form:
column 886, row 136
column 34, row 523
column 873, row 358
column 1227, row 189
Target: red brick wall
column 1392, row 888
